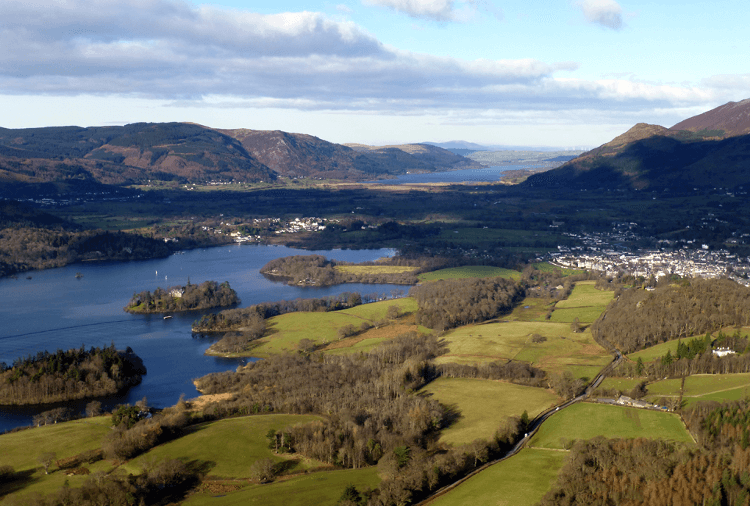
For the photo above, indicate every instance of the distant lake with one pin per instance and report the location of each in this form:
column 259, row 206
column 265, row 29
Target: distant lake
column 484, row 175
column 55, row 310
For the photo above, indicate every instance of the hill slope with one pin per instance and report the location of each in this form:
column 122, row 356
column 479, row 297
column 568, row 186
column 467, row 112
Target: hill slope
column 653, row 157
column 732, row 119
column 125, row 155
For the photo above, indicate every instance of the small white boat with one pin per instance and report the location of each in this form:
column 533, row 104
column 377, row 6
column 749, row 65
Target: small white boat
column 168, row 317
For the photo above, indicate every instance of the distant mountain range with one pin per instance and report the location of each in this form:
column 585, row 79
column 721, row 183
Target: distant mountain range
column 86, row 158
column 464, row 147
column 708, row 150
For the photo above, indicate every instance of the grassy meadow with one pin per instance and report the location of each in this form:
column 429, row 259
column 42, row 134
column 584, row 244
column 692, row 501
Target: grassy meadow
column 374, row 269
column 320, row 488
column 585, row 302
column 703, row 387
column 22, row 449
column 283, row 333
column 563, row 350
column 586, row 421
column 484, row 404
column 519, row 481
column 469, row 271
column 229, row 447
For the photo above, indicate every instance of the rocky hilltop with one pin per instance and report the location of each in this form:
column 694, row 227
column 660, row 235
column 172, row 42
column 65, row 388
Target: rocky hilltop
column 708, row 150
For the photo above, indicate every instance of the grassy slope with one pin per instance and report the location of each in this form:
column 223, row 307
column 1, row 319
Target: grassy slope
column 286, row 331
column 585, row 303
column 470, row 271
column 484, row 404
column 21, row 450
column 519, row 481
column 563, row 350
column 374, row 269
column 703, row 387
column 585, row 421
column 230, row 446
column 322, row 488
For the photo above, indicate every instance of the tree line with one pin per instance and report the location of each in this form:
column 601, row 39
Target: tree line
column 183, row 298
column 66, row 375
column 637, row 319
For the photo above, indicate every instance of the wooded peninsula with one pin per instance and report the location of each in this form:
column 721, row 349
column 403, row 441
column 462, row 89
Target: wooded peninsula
column 67, row 375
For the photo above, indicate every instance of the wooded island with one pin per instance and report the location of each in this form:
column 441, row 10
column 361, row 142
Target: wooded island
column 183, row 298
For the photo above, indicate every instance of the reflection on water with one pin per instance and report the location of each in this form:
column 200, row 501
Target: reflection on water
column 55, row 310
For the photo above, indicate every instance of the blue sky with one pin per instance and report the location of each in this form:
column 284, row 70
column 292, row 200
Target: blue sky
column 563, row 73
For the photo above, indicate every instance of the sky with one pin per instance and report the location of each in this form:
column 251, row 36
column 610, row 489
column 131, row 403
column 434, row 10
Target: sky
column 556, row 73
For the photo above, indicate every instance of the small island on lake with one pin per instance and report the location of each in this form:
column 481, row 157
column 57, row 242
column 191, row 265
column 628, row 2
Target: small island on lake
column 68, row 375
column 183, row 298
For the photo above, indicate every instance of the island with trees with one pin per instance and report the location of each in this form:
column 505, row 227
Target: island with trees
column 68, row 375
column 190, row 297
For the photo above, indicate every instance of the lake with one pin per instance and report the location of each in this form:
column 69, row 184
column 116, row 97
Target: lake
column 484, row 175
column 54, row 309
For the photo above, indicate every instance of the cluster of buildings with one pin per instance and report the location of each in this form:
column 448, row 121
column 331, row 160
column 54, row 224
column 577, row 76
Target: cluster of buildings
column 607, row 253
column 302, row 225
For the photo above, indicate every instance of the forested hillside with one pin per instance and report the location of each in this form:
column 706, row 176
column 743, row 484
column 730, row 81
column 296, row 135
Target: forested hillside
column 637, row 319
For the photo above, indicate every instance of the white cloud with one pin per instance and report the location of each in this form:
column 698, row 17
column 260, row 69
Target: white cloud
column 607, row 13
column 435, row 10
column 172, row 52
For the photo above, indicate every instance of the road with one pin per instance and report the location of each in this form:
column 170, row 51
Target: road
column 533, row 428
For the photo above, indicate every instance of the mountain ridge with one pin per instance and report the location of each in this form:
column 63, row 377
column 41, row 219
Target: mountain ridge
column 709, row 154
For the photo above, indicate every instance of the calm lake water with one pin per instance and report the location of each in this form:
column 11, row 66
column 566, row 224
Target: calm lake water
column 55, row 310
column 484, row 175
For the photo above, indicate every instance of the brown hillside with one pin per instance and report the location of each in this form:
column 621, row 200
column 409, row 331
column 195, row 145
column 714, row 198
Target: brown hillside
column 733, row 118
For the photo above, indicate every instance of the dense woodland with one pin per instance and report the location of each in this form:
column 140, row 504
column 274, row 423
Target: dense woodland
column 450, row 303
column 65, row 375
column 659, row 473
column 183, row 298
column 638, row 318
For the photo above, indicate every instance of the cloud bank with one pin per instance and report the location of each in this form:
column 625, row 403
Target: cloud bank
column 170, row 50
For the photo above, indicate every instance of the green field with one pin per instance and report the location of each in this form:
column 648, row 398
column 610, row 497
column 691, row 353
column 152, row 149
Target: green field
column 469, row 271
column 521, row 480
column 703, row 387
column 548, row 267
column 585, row 302
column 374, row 269
column 283, row 333
column 622, row 384
column 485, row 404
column 229, row 447
column 321, row 488
column 531, row 309
column 563, row 350
column 659, row 350
column 654, row 352
column 586, row 421
column 21, row 450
